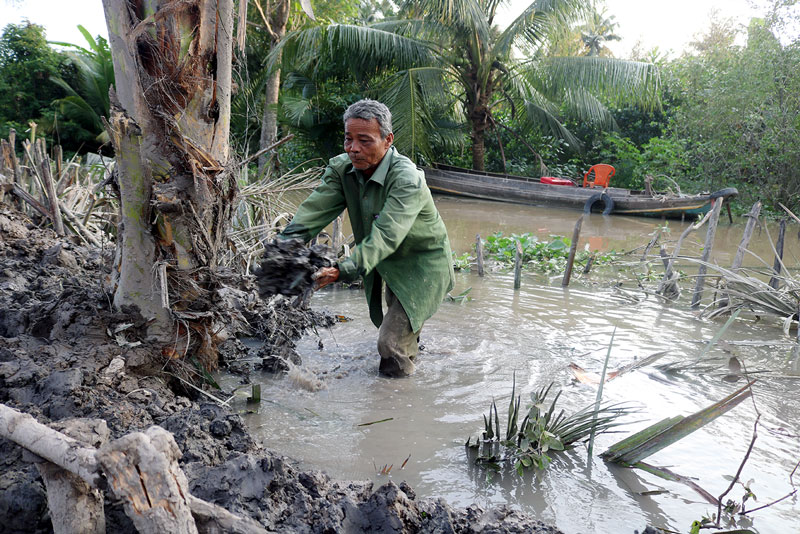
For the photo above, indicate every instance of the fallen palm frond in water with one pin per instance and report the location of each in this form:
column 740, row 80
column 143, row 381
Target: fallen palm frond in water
column 667, row 431
column 631, row 451
column 541, row 430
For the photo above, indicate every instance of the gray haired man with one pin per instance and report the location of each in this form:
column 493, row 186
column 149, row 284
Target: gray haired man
column 400, row 238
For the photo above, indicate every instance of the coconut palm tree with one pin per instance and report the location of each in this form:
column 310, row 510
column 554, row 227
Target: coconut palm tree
column 599, row 29
column 447, row 58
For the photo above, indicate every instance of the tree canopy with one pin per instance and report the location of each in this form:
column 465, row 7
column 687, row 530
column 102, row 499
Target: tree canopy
column 447, row 64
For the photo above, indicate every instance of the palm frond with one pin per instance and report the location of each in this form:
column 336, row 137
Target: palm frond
column 411, row 117
column 366, row 47
column 536, row 21
column 296, row 110
column 584, row 105
column 538, row 111
column 613, row 79
column 461, row 14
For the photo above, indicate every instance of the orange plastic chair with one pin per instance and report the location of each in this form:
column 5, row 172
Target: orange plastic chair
column 602, row 175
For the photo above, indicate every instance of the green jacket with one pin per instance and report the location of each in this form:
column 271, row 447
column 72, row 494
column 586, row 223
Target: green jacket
column 399, row 234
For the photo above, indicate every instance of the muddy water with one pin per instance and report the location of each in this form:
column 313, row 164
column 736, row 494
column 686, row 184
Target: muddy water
column 473, row 349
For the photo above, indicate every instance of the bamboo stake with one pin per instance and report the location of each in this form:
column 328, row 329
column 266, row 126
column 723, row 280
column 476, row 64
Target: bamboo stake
column 30, row 199
column 775, row 282
column 518, row 265
column 589, row 263
column 78, row 227
column 12, row 140
column 49, row 187
column 576, row 233
column 752, row 221
column 651, row 244
column 668, row 284
column 662, row 251
column 709, row 244
column 335, row 241
column 479, row 253
column 58, row 155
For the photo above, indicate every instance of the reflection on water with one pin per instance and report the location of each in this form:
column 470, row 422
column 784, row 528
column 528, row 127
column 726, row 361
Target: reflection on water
column 472, row 350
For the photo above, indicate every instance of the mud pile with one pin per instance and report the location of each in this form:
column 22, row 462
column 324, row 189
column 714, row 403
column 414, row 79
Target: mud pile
column 62, row 350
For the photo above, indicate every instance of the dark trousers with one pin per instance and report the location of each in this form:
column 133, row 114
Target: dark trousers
column 398, row 345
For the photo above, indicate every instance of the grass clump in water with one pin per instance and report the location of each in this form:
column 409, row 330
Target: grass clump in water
column 529, row 440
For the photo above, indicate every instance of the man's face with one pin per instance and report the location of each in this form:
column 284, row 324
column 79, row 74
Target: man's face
column 364, row 144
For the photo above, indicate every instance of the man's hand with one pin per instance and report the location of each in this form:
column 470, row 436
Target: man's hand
column 325, row 276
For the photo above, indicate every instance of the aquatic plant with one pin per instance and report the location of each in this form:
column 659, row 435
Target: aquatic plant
column 543, row 429
column 545, row 256
column 462, row 262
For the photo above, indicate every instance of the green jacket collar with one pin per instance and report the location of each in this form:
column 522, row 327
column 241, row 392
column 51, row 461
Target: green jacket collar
column 379, row 176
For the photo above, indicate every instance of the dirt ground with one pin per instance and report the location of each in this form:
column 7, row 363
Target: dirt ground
column 58, row 339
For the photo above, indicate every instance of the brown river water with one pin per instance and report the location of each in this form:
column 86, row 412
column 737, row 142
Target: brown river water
column 473, row 349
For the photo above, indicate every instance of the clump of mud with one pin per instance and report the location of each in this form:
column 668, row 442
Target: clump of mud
column 287, row 266
column 65, row 353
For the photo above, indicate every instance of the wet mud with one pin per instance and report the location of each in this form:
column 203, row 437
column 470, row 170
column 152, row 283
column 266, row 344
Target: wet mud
column 64, row 353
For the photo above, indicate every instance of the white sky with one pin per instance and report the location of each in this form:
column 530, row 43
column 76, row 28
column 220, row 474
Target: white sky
column 670, row 25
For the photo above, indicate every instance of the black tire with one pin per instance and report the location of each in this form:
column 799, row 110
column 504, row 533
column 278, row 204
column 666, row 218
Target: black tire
column 604, row 198
column 727, row 192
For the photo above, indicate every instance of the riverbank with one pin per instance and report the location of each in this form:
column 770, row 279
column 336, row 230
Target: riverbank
column 61, row 350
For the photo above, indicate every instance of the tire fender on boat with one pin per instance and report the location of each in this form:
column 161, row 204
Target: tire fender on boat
column 607, row 201
column 724, row 193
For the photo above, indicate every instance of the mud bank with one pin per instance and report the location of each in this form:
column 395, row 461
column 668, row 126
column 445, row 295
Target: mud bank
column 64, row 354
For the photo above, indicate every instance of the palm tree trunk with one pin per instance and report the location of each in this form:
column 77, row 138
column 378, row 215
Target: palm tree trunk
column 269, row 123
column 478, row 149
column 276, row 26
column 169, row 124
column 479, row 116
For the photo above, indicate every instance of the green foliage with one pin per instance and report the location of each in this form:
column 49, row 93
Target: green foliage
column 434, row 88
column 27, row 67
column 462, row 262
column 87, row 99
column 544, row 256
column 739, row 110
column 528, row 441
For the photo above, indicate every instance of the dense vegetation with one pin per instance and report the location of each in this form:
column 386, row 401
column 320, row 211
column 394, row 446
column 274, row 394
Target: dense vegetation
column 542, row 95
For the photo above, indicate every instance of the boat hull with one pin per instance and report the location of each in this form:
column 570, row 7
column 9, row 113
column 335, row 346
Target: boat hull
column 521, row 190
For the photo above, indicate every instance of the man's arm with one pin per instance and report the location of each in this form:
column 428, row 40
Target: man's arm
column 403, row 203
column 321, row 207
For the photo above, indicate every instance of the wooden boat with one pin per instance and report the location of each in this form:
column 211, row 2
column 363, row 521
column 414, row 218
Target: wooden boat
column 612, row 200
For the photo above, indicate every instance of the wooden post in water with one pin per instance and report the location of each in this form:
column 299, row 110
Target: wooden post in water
column 662, row 251
column 335, row 243
column 752, row 221
column 479, row 253
column 518, row 265
column 576, row 234
column 707, row 246
column 775, row 281
column 589, row 263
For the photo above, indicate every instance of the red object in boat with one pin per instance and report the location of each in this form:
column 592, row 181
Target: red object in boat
column 552, row 180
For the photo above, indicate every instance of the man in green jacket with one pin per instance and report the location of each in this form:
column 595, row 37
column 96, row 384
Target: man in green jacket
column 400, row 237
